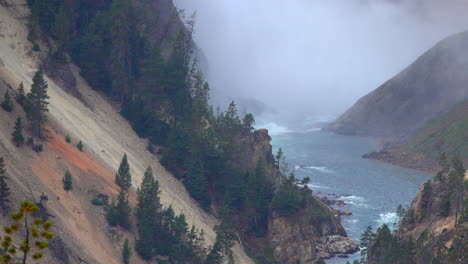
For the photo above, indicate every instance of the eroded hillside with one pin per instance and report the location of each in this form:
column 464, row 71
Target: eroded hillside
column 106, row 137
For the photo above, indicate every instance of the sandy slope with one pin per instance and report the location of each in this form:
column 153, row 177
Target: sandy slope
column 106, row 135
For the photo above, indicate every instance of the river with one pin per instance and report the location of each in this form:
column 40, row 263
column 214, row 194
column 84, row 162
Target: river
column 371, row 189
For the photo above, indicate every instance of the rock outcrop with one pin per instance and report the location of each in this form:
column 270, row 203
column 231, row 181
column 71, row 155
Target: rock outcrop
column 312, row 233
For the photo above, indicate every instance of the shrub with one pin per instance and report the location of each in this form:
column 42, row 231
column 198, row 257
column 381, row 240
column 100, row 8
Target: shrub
column 100, row 200
column 68, row 138
column 7, row 104
column 67, row 181
column 36, row 47
column 80, row 146
column 38, row 147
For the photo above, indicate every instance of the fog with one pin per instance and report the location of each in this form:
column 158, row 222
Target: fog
column 315, row 56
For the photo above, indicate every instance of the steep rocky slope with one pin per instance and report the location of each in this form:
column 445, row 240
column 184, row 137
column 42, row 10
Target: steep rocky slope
column 430, row 86
column 434, row 229
column 312, row 233
column 106, row 135
column 430, row 223
column 83, row 235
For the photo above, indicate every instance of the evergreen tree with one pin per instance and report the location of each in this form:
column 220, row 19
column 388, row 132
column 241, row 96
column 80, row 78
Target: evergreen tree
column 148, row 215
column 123, row 47
column 215, row 256
column 36, row 103
column 196, row 183
column 126, row 252
column 279, row 158
column 62, row 30
column 7, row 103
column 123, row 178
column 248, row 123
column 17, row 134
column 457, row 179
column 119, row 214
column 21, row 97
column 67, row 181
column 366, row 240
column 80, row 146
column 4, row 189
column 259, row 194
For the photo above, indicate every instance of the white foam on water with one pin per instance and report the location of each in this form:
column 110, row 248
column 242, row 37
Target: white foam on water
column 274, row 129
column 389, row 219
column 317, row 168
column 316, row 186
column 354, row 200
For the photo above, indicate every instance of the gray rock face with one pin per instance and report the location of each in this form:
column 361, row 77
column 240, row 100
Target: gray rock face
column 433, row 84
column 336, row 245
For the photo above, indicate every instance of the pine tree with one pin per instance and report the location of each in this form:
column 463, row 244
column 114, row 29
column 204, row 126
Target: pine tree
column 17, row 134
column 21, row 97
column 123, row 178
column 61, row 30
column 147, row 212
column 80, row 146
column 119, row 214
column 457, row 179
column 248, row 123
column 4, row 189
column 36, row 103
column 196, row 183
column 126, row 252
column 7, row 104
column 67, row 181
column 366, row 240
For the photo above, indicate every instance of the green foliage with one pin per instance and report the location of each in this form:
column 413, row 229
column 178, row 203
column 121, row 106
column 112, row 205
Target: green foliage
column 4, row 189
column 258, row 195
column 80, row 146
column 21, row 97
column 67, row 181
column 446, row 205
column 290, row 197
column 123, row 178
column 68, row 138
column 225, row 235
column 161, row 231
column 126, row 252
column 38, row 147
column 7, row 103
column 365, row 243
column 17, row 135
column 385, row 248
column 98, row 202
column 196, row 183
column 148, row 214
column 119, row 213
column 36, row 103
column 426, row 198
column 446, row 133
column 35, row 235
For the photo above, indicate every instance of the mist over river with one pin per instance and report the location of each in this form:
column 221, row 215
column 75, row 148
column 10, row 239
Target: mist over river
column 372, row 190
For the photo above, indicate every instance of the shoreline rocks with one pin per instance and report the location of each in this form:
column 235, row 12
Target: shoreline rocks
column 336, row 245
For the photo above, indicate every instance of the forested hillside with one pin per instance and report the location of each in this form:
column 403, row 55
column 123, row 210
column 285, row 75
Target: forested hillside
column 144, row 65
column 433, row 229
